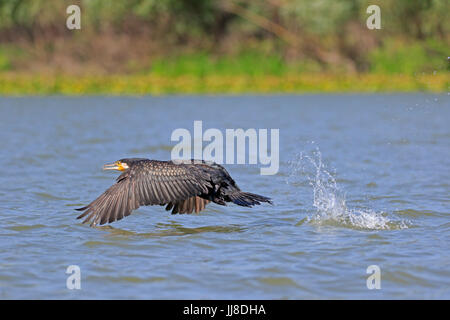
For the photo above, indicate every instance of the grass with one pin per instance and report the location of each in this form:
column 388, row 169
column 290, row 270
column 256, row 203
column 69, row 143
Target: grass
column 394, row 68
column 13, row 84
column 202, row 64
column 5, row 63
column 398, row 58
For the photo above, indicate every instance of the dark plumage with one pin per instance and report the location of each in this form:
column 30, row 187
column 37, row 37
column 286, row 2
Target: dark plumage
column 183, row 186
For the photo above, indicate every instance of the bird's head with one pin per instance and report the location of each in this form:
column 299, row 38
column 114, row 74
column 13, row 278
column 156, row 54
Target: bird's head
column 123, row 164
column 120, row 165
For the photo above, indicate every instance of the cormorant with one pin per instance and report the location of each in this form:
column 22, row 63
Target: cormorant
column 183, row 186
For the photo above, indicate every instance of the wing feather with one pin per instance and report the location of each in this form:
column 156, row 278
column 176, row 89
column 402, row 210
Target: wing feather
column 149, row 183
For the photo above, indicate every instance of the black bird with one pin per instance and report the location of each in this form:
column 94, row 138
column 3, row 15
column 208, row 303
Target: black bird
column 183, row 186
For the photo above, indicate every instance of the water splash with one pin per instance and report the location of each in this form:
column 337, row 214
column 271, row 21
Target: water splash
column 329, row 204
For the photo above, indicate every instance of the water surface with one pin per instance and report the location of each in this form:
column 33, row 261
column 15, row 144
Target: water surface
column 363, row 180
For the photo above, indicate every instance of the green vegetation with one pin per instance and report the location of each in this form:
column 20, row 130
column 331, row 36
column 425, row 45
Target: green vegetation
column 398, row 58
column 223, row 46
column 202, row 64
column 185, row 84
column 5, row 64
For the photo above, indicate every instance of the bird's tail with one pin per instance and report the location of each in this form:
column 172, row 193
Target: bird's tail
column 247, row 199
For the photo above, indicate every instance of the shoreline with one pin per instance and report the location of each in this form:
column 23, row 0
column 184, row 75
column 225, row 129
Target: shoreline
column 35, row 84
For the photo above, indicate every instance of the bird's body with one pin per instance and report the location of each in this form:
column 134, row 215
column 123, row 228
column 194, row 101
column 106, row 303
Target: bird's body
column 182, row 186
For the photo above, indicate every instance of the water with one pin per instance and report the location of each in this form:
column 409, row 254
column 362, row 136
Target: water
column 363, row 180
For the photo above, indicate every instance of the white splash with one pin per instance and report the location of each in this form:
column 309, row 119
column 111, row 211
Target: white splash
column 329, row 200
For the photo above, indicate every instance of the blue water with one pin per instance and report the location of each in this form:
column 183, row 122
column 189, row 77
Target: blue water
column 363, row 180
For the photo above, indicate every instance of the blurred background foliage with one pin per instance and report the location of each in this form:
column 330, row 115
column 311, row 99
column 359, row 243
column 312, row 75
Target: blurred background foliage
column 224, row 37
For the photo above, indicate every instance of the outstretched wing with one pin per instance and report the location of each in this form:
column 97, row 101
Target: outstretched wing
column 152, row 183
column 188, row 205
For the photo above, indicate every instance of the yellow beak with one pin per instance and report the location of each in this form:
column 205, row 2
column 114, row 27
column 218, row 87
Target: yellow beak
column 113, row 166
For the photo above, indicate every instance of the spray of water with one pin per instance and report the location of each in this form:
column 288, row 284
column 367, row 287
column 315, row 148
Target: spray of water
column 329, row 206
